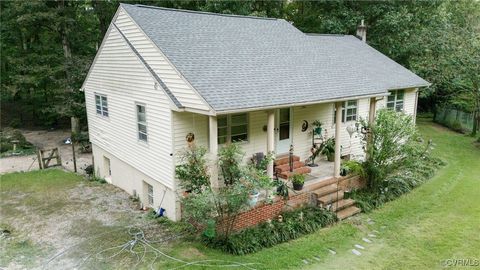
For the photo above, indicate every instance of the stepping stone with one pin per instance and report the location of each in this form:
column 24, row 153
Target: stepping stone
column 372, row 235
column 316, row 258
column 305, row 261
column 333, row 252
column 356, row 252
column 359, row 246
column 375, row 231
column 366, row 240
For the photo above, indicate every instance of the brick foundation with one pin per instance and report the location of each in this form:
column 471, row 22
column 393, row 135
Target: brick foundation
column 264, row 211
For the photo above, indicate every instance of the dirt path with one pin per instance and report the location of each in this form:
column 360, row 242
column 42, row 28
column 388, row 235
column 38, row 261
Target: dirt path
column 46, row 139
column 80, row 227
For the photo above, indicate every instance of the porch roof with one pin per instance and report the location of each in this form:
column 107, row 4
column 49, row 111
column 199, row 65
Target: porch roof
column 241, row 62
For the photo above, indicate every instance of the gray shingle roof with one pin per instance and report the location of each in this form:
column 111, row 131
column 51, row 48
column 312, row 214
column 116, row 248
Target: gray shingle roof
column 238, row 62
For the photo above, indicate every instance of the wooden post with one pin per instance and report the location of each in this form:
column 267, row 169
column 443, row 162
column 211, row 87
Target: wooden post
column 372, row 111
column 40, row 157
column 270, row 139
column 338, row 125
column 74, row 157
column 213, row 145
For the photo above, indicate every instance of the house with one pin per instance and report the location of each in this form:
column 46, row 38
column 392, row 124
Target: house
column 161, row 74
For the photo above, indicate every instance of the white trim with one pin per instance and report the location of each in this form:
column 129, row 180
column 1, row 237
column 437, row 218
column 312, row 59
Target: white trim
column 300, row 104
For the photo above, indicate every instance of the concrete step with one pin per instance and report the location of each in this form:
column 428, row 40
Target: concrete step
column 285, row 159
column 301, row 170
column 348, row 212
column 342, row 204
column 286, row 167
column 326, row 190
column 330, row 198
column 314, row 185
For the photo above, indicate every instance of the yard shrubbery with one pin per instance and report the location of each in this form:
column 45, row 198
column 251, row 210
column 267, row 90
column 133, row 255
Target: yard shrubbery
column 288, row 226
column 9, row 137
column 398, row 159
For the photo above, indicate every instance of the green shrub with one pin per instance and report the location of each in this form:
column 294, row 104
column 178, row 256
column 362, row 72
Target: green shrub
column 294, row 224
column 193, row 173
column 5, row 146
column 457, row 126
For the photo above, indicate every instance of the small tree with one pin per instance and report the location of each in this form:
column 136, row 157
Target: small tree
column 391, row 143
column 193, row 172
column 229, row 159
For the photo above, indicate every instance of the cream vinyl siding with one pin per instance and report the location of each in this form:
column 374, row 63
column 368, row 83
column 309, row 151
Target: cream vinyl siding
column 120, row 75
column 184, row 93
column 408, row 101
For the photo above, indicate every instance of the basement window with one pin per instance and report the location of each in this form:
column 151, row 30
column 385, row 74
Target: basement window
column 150, row 195
column 142, row 122
column 101, row 105
column 232, row 128
column 395, row 100
column 349, row 111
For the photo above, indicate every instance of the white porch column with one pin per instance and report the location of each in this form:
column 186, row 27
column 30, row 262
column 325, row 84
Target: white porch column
column 270, row 139
column 338, row 125
column 213, row 145
column 373, row 108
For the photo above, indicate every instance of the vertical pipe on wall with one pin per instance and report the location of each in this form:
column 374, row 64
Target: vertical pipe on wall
column 270, row 139
column 338, row 125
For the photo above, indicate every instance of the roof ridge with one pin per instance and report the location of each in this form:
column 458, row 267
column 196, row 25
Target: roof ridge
column 203, row 12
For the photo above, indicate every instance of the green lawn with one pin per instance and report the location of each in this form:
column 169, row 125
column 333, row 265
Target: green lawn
column 439, row 220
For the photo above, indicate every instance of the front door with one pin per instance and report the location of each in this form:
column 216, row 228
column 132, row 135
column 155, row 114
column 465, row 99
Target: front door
column 284, row 128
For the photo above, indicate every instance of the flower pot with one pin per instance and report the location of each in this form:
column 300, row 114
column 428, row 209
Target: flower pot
column 253, row 199
column 331, row 157
column 297, row 186
column 318, row 131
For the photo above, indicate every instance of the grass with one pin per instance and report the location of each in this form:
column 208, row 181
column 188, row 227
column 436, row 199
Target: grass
column 437, row 221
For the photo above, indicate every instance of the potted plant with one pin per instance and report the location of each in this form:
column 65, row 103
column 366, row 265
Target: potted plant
column 253, row 197
column 329, row 149
column 298, row 180
column 317, row 127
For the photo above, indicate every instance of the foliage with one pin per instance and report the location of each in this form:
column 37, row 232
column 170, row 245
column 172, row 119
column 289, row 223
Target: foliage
column 230, row 158
column 193, row 172
column 298, row 179
column 282, row 188
column 397, row 159
column 9, row 137
column 217, row 209
column 293, row 224
column 328, row 147
column 353, row 167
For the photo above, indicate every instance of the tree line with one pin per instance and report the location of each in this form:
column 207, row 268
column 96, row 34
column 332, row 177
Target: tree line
column 47, row 46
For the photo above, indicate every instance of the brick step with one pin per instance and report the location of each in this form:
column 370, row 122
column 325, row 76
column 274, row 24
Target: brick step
column 342, row 204
column 330, row 198
column 286, row 167
column 285, row 159
column 301, row 170
column 326, row 190
column 348, row 212
column 317, row 185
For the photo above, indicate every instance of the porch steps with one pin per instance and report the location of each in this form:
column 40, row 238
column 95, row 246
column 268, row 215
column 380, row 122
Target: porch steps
column 282, row 166
column 330, row 198
column 285, row 160
column 325, row 190
column 286, row 167
column 342, row 204
column 327, row 197
column 348, row 212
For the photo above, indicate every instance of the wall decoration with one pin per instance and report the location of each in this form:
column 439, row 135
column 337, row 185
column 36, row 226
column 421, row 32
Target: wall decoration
column 190, row 137
column 304, row 125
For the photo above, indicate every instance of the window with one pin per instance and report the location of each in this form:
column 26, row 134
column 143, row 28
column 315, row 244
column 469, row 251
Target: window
column 395, row 100
column 150, row 195
column 349, row 111
column 232, row 128
column 142, row 122
column 101, row 104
